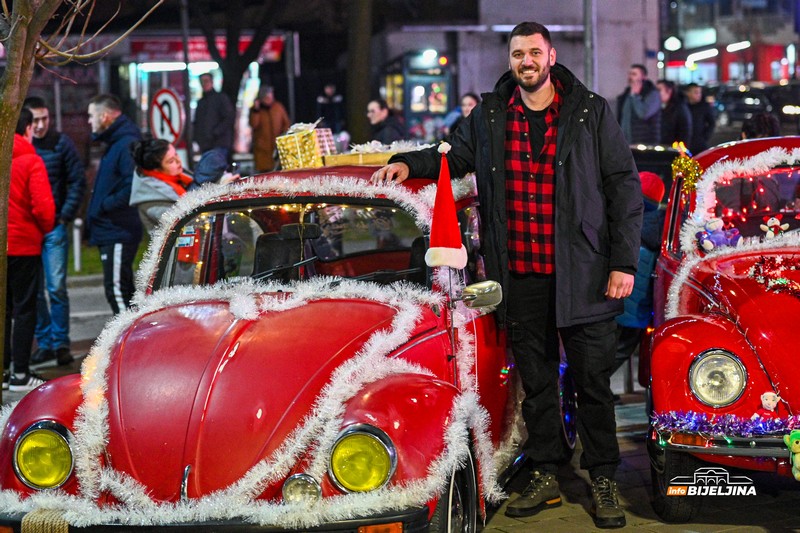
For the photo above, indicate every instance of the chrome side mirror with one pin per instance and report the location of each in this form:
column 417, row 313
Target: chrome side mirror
column 483, row 294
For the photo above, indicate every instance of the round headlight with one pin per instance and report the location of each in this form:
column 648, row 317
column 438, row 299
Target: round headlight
column 717, row 378
column 362, row 459
column 301, row 488
column 42, row 457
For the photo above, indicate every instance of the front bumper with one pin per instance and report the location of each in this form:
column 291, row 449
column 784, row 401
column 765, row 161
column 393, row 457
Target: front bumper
column 413, row 521
column 762, row 446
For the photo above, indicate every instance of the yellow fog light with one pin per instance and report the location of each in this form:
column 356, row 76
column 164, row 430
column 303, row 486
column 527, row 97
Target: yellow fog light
column 301, row 488
column 42, row 457
column 362, row 459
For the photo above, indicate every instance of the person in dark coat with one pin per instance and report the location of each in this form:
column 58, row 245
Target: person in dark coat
column 639, row 108
column 111, row 223
column 676, row 121
column 559, row 191
column 213, row 119
column 704, row 120
column 330, row 107
column 67, row 178
column 385, row 126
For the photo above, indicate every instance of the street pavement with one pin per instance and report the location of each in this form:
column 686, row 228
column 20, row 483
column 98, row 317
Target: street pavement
column 774, row 508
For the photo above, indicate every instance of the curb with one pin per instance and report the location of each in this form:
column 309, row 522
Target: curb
column 88, row 280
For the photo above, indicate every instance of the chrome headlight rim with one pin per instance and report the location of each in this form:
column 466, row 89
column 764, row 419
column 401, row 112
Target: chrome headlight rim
column 308, row 479
column 717, row 352
column 54, row 427
column 376, row 433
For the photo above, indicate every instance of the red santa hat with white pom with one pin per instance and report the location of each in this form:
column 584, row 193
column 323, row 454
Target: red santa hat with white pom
column 445, row 248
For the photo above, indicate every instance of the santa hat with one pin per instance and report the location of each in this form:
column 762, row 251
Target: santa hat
column 652, row 186
column 445, row 246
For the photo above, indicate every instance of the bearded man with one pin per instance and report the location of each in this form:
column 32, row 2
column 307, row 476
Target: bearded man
column 562, row 202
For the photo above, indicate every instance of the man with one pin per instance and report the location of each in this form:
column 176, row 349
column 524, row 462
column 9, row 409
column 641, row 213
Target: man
column 31, row 215
column 268, row 118
column 213, row 119
column 113, row 225
column 330, row 107
column 68, row 183
column 639, row 108
column 560, row 191
column 704, row 120
column 385, row 126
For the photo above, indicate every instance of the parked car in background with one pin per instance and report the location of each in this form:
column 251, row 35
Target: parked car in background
column 291, row 363
column 736, row 103
column 785, row 100
column 727, row 296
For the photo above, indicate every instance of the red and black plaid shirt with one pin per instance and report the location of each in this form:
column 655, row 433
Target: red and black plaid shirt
column 530, row 188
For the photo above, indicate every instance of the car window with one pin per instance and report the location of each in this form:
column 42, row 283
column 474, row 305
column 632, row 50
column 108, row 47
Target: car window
column 749, row 204
column 288, row 241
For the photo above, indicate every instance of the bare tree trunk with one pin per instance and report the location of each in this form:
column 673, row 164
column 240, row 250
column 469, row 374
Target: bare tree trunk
column 358, row 74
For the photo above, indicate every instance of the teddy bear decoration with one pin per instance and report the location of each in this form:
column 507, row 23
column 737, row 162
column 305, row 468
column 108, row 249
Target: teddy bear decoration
column 769, row 405
column 714, row 235
column 772, row 226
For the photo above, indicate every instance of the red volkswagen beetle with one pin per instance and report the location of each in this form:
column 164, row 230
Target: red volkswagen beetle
column 290, row 363
column 723, row 363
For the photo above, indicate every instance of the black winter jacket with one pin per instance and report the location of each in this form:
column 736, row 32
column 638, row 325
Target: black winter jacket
column 598, row 196
column 110, row 219
column 65, row 172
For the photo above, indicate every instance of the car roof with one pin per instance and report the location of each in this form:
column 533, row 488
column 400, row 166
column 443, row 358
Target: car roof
column 747, row 148
column 358, row 172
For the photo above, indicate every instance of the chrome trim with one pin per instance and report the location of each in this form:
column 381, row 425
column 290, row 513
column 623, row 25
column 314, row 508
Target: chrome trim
column 418, row 342
column 185, row 483
column 734, row 358
column 377, row 434
column 58, row 429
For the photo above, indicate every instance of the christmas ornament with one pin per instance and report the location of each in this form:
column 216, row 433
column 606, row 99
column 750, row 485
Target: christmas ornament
column 445, row 248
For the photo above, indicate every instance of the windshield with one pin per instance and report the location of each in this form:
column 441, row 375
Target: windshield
column 373, row 240
column 761, row 205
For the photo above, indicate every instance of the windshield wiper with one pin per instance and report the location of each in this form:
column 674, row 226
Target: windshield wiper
column 387, row 275
column 269, row 273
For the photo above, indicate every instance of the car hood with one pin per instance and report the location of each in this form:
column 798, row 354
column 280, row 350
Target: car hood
column 197, row 387
column 761, row 293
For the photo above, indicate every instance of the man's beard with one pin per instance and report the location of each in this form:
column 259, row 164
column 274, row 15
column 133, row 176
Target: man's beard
column 532, row 87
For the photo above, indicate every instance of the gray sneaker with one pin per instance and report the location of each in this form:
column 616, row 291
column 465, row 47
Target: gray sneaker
column 540, row 494
column 606, row 511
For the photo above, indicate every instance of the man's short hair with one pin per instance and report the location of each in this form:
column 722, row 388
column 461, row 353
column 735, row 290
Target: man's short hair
column 24, row 121
column 531, row 28
column 107, row 101
column 34, row 102
column 640, row 67
column 690, row 86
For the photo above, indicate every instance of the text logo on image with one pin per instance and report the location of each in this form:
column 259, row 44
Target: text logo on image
column 711, row 481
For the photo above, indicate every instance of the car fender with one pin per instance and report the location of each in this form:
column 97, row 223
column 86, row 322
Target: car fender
column 56, row 400
column 677, row 343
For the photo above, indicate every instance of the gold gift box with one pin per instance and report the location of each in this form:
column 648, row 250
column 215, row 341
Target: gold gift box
column 306, row 148
column 373, row 158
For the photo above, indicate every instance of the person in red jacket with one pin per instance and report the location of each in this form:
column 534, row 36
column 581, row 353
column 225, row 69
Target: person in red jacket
column 31, row 214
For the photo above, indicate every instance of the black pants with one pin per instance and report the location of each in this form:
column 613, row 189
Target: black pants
column 117, row 262
column 22, row 283
column 590, row 350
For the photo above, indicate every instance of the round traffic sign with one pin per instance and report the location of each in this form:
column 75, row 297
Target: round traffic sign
column 166, row 116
